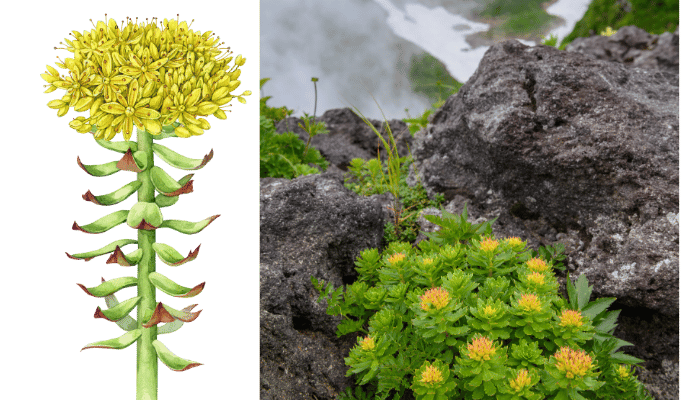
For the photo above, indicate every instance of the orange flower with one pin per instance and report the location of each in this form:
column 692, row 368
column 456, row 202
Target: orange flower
column 481, row 348
column 530, row 302
column 431, row 375
column 537, row 265
column 438, row 297
column 367, row 344
column 520, row 381
column 573, row 363
column 395, row 258
column 488, row 244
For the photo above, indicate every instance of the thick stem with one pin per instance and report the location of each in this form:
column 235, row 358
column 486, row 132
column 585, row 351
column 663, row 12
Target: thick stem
column 146, row 358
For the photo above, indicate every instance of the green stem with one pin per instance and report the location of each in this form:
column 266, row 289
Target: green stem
column 146, row 358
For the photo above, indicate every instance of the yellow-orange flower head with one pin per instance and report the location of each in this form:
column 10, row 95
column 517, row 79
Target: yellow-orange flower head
column 521, row 381
column 488, row 244
column 535, row 278
column 530, row 302
column 489, row 311
column 367, row 344
column 395, row 258
column 147, row 76
column 438, row 297
column 537, row 265
column 571, row 318
column 514, row 241
column 431, row 375
column 573, row 363
column 481, row 349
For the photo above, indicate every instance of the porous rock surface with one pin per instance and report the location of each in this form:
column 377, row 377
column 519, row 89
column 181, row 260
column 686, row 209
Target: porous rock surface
column 309, row 226
column 349, row 136
column 567, row 147
column 578, row 147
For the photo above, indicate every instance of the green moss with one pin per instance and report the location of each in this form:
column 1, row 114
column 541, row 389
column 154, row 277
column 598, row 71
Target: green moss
column 430, row 78
column 521, row 17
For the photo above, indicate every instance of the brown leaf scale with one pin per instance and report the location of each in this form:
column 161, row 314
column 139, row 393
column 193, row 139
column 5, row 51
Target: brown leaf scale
column 190, row 256
column 99, row 314
column 186, row 188
column 127, row 163
column 77, row 258
column 83, row 167
column 195, row 291
column 145, row 226
column 188, row 367
column 77, row 227
column 160, row 314
column 88, row 196
column 117, row 257
column 85, row 289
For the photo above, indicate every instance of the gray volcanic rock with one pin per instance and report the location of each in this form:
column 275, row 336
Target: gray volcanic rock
column 309, row 226
column 565, row 147
column 633, row 47
column 349, row 137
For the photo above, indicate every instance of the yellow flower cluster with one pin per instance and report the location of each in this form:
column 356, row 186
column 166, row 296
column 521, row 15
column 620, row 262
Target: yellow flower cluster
column 488, row 244
column 623, row 371
column 481, row 349
column 431, row 375
column 571, row 318
column 489, row 311
column 144, row 75
column 367, row 344
column 521, row 381
column 438, row 297
column 535, row 278
column 429, row 262
column 537, row 265
column 395, row 258
column 608, row 32
column 573, row 363
column 530, row 302
column 513, row 241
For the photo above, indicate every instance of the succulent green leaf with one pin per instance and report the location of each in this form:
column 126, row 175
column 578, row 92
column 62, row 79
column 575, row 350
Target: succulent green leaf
column 103, row 224
column 110, row 287
column 171, row 257
column 115, row 197
column 120, row 147
column 134, row 162
column 186, row 227
column 171, row 360
column 163, row 313
column 166, row 201
column 104, row 250
column 179, row 161
column 119, row 311
column 125, row 260
column 144, row 215
column 101, row 169
column 168, row 186
column 119, row 343
column 127, row 323
column 173, row 289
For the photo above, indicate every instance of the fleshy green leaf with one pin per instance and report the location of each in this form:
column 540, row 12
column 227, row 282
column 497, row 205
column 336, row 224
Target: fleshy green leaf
column 120, row 147
column 119, row 311
column 115, row 197
column 110, row 287
column 179, row 161
column 163, row 313
column 186, row 227
column 171, row 257
column 107, row 249
column 103, row 224
column 173, row 289
column 171, row 360
column 119, row 343
column 101, row 169
column 166, row 185
column 166, row 201
column 127, row 323
column 144, row 215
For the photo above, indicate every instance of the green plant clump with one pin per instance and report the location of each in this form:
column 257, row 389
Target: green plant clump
column 466, row 316
column 286, row 155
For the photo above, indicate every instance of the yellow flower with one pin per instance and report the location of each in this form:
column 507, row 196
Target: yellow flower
column 521, row 381
column 537, row 265
column 573, row 363
column 488, row 244
column 428, row 262
column 438, row 297
column 173, row 66
column 367, row 344
column 623, row 371
column 608, row 32
column 132, row 111
column 536, row 278
column 431, row 375
column 571, row 318
column 530, row 302
column 395, row 258
column 514, row 241
column 489, row 311
column 481, row 349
